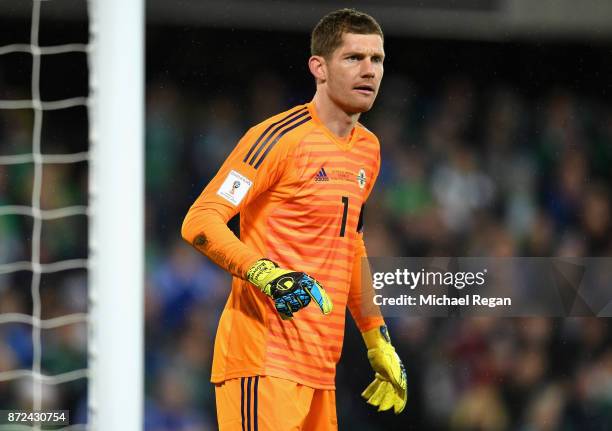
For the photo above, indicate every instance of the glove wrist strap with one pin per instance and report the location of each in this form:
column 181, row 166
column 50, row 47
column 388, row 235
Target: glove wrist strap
column 376, row 337
column 259, row 271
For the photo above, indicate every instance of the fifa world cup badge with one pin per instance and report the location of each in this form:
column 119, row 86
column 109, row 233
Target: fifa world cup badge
column 235, row 186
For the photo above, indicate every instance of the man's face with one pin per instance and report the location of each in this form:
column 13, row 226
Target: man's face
column 354, row 72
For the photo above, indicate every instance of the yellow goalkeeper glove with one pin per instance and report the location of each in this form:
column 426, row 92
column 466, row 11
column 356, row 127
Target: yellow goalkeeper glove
column 389, row 386
column 290, row 290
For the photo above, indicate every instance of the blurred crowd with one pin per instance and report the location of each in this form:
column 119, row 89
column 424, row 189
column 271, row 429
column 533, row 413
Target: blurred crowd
column 469, row 168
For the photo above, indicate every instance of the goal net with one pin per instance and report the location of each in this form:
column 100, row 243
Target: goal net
column 71, row 211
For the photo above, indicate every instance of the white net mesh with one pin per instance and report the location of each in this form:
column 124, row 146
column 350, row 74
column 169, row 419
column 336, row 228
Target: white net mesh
column 37, row 380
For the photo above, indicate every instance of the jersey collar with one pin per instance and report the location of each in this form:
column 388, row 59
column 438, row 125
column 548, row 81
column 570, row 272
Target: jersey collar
column 342, row 143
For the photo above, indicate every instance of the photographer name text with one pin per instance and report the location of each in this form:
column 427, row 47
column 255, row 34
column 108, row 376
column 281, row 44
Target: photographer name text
column 443, row 300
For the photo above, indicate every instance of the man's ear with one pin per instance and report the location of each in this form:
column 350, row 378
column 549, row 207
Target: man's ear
column 318, row 68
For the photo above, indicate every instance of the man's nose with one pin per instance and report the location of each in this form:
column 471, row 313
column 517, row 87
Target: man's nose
column 367, row 68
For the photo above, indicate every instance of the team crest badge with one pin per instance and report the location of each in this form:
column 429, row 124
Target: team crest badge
column 361, row 178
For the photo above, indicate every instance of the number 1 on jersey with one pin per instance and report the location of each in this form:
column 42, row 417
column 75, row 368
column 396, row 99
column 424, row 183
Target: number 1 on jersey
column 345, row 202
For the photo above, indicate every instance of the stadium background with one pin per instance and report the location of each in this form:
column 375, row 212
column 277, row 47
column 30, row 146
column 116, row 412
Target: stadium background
column 492, row 145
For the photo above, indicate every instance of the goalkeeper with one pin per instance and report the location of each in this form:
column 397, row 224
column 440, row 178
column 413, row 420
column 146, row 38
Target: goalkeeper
column 299, row 181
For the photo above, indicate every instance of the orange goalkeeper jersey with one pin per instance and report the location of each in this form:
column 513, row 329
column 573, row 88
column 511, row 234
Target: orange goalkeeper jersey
column 299, row 190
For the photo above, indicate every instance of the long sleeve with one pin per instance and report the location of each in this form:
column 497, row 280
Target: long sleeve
column 237, row 185
column 360, row 300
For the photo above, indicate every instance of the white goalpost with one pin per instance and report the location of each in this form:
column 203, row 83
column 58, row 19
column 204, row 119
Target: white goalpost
column 115, row 212
column 117, row 203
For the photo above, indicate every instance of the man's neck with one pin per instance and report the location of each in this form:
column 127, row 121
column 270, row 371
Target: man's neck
column 333, row 117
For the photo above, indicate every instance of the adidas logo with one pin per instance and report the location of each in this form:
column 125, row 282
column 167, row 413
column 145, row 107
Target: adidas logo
column 321, row 175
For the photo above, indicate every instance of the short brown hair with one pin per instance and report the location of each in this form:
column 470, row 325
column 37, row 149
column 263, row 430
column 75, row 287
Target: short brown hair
column 327, row 35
